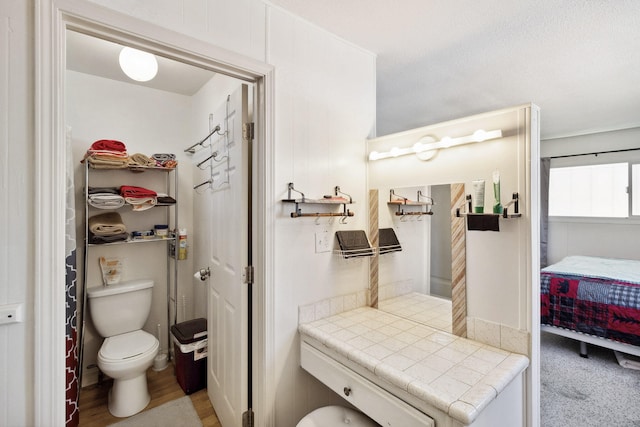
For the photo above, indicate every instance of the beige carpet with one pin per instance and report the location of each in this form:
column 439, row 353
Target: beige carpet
column 177, row 413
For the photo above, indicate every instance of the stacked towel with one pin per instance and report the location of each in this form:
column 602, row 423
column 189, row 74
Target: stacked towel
column 106, row 201
column 165, row 200
column 107, row 227
column 107, row 154
column 140, row 160
column 165, row 160
column 139, row 198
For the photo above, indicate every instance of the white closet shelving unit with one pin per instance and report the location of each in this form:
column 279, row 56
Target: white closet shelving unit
column 159, row 179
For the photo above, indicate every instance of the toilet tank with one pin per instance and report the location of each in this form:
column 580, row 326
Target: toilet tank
column 120, row 308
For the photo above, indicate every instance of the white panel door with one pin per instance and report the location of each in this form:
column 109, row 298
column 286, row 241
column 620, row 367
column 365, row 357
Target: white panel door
column 228, row 255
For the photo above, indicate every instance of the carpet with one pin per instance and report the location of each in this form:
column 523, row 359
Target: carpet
column 580, row 392
column 177, row 413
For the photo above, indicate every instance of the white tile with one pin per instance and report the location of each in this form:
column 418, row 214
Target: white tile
column 323, row 309
column 360, row 343
column 479, row 396
column 398, row 361
column 450, row 387
column 430, row 395
column 464, row 374
column 471, row 328
column 441, row 338
column 423, row 373
column 463, row 411
column 437, row 363
column 514, row 340
column 306, row 313
column 350, row 302
column 394, row 344
column 487, row 332
column 393, row 376
column 378, row 351
column 428, row 347
column 337, row 305
column 450, row 354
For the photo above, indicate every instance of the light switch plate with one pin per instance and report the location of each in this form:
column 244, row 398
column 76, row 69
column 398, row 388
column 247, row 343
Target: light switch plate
column 323, row 242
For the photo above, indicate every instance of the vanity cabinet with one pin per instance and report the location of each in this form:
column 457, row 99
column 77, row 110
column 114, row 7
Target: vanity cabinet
column 377, row 403
column 450, row 381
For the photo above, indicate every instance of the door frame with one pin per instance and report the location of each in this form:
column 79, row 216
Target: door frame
column 52, row 19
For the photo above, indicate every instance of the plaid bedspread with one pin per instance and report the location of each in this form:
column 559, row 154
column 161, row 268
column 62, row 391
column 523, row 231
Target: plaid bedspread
column 607, row 308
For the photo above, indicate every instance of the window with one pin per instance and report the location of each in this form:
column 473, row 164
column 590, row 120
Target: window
column 592, row 191
column 635, row 189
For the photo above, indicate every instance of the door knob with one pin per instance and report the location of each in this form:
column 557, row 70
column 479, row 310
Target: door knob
column 347, row 391
column 203, row 274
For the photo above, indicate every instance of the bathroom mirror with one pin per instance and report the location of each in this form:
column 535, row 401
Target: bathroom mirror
column 424, row 278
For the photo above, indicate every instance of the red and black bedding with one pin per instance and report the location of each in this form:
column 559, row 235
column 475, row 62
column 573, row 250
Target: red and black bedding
column 595, row 296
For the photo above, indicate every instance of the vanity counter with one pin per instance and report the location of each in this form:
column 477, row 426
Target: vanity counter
column 425, row 367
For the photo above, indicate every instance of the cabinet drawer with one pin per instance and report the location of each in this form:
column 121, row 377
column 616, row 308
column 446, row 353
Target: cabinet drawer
column 380, row 405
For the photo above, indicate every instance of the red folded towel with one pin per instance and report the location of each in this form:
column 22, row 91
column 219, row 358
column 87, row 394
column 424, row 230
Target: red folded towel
column 108, row 145
column 136, row 192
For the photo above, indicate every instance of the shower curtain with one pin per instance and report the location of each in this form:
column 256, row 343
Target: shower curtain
column 70, row 285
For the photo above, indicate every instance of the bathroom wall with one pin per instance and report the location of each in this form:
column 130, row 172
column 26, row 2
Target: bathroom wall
column 593, row 236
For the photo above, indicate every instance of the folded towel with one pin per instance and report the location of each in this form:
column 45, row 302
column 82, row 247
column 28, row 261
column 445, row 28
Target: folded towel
column 99, row 240
column 483, row 222
column 107, row 224
column 140, row 160
column 354, row 243
column 98, row 190
column 129, row 191
column 388, row 241
column 141, row 203
column 107, row 162
column 108, row 144
column 106, row 200
column 165, row 200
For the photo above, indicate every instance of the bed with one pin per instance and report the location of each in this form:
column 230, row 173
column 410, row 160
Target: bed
column 593, row 300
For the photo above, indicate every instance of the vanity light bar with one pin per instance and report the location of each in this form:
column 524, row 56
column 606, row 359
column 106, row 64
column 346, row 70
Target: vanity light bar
column 429, row 144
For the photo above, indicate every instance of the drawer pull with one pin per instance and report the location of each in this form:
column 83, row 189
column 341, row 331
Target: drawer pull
column 347, row 391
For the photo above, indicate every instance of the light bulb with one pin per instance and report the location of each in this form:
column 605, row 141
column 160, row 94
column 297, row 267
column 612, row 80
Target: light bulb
column 138, row 65
column 479, row 135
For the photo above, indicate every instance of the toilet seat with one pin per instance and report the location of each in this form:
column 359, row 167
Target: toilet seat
column 128, row 347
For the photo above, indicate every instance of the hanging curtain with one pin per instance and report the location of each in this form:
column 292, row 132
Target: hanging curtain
column 545, row 167
column 71, row 311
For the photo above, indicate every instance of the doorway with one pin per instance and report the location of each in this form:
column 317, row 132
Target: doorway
column 50, row 145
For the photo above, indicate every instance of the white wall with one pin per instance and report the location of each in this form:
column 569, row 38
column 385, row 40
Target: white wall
column 325, row 109
column 593, row 237
column 16, row 209
column 325, row 95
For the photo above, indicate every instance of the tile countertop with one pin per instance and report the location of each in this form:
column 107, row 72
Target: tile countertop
column 456, row 375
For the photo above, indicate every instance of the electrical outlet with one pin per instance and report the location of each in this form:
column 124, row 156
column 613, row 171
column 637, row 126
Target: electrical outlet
column 323, row 242
column 10, row 313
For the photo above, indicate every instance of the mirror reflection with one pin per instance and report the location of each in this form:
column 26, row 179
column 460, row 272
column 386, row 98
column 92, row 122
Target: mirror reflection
column 415, row 278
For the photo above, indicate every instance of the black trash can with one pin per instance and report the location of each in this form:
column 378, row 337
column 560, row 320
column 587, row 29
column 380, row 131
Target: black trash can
column 190, row 349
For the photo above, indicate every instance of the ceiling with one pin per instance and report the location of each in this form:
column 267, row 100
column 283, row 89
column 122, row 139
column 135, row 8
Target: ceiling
column 437, row 60
column 90, row 55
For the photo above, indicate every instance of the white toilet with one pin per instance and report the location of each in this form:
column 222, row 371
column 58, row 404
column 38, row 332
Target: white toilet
column 334, row 416
column 118, row 312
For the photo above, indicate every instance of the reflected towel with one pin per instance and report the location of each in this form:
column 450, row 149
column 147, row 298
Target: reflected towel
column 354, row 243
column 483, row 222
column 106, row 200
column 388, row 241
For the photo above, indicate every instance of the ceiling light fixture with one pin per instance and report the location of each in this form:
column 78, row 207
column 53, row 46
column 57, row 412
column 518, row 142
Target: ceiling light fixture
column 427, row 147
column 138, row 65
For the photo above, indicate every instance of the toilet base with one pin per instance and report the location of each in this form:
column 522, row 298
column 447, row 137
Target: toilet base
column 129, row 396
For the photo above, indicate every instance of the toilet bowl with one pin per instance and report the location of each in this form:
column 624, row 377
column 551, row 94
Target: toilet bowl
column 126, row 358
column 118, row 313
column 335, row 416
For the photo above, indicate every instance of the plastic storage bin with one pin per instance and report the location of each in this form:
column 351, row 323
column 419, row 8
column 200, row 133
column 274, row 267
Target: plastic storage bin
column 190, row 348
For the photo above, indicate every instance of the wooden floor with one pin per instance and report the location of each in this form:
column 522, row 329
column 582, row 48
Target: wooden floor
column 163, row 388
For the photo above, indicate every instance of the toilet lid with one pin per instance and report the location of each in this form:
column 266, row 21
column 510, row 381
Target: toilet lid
column 126, row 346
